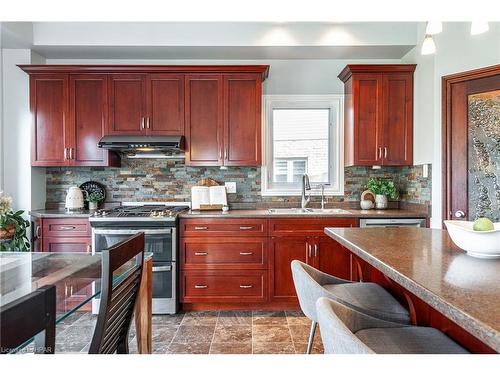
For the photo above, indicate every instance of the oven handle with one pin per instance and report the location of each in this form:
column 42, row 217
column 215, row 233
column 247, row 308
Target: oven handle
column 133, row 231
column 162, row 268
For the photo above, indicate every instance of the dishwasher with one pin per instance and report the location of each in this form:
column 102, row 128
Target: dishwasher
column 392, row 223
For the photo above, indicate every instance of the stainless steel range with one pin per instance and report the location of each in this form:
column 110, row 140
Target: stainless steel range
column 158, row 221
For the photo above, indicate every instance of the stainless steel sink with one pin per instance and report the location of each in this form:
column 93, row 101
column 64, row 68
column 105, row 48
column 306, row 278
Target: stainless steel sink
column 305, row 211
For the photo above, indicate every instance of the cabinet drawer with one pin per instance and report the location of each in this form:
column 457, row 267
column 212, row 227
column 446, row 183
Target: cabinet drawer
column 67, row 244
column 224, row 286
column 224, row 252
column 66, row 227
column 223, row 227
column 307, row 226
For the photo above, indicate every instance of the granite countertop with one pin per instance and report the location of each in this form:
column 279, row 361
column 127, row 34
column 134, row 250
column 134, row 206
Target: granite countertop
column 428, row 264
column 264, row 213
column 60, row 213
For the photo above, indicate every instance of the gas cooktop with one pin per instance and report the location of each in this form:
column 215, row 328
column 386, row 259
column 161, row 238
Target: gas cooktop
column 139, row 212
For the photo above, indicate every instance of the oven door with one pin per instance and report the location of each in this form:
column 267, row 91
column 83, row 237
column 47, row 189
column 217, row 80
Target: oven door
column 164, row 288
column 160, row 242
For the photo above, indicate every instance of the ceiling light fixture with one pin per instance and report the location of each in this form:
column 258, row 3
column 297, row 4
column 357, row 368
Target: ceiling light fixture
column 428, row 46
column 433, row 27
column 478, row 27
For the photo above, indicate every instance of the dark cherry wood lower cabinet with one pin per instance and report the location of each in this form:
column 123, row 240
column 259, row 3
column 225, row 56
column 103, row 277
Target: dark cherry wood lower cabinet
column 245, row 263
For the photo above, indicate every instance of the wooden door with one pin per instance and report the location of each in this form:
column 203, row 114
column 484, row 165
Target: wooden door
column 166, row 104
column 127, row 104
column 49, row 110
column 88, row 119
column 282, row 251
column 331, row 257
column 367, row 102
column 242, row 119
column 470, row 127
column 204, row 119
column 397, row 115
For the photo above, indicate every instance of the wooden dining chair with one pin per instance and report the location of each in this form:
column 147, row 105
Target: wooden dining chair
column 33, row 315
column 118, row 301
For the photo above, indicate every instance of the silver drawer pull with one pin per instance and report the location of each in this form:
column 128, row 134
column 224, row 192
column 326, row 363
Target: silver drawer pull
column 200, row 228
column 201, row 253
column 246, row 286
column 249, row 253
column 67, row 227
column 162, row 268
column 246, row 228
column 200, row 287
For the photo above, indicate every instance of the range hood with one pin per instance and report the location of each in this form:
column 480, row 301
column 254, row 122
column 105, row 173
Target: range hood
column 147, row 146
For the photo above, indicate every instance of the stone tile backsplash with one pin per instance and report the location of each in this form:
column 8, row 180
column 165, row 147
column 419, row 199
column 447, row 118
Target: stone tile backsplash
column 171, row 180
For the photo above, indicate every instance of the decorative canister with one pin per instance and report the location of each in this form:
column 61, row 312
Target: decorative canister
column 380, row 202
column 366, row 204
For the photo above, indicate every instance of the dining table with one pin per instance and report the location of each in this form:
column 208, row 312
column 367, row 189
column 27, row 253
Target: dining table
column 73, row 274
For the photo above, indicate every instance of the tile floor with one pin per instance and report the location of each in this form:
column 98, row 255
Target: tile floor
column 224, row 332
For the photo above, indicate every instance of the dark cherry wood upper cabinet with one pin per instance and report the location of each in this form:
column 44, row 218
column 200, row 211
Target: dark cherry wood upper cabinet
column 204, row 119
column 49, row 109
column 378, row 114
column 242, row 119
column 127, row 104
column 166, row 104
column 398, row 119
column 88, row 120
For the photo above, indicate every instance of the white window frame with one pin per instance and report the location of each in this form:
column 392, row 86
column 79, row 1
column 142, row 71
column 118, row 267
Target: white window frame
column 336, row 134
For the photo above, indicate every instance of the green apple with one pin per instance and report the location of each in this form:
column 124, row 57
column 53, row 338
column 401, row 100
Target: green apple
column 483, row 224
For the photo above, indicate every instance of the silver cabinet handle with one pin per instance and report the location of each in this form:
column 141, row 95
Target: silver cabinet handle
column 65, row 153
column 142, row 122
column 148, row 122
column 315, row 250
column 246, row 253
column 220, row 154
column 225, row 154
column 200, row 228
column 246, row 228
column 162, row 268
column 89, row 249
column 309, row 249
column 459, row 214
column 200, row 286
column 67, row 227
column 200, row 253
column 380, row 152
column 385, row 152
column 71, row 153
column 246, row 286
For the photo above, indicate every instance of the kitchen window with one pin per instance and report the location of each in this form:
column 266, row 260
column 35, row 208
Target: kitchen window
column 303, row 134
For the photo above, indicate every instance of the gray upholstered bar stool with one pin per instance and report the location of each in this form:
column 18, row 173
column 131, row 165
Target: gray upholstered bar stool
column 347, row 331
column 368, row 298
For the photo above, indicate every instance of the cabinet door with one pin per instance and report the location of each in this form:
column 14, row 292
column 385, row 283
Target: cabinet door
column 166, row 104
column 89, row 117
column 398, row 119
column 127, row 102
column 67, row 244
column 49, row 108
column 204, row 116
column 367, row 98
column 282, row 251
column 330, row 257
column 242, row 119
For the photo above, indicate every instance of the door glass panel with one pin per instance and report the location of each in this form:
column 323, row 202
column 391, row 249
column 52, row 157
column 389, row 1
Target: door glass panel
column 484, row 155
column 162, row 280
column 158, row 244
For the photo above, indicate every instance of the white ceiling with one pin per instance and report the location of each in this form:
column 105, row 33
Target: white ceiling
column 215, row 40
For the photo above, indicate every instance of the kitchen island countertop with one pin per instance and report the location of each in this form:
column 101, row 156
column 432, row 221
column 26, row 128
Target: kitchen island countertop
column 428, row 264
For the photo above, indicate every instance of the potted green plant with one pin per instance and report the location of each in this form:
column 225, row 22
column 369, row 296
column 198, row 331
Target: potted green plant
column 95, row 198
column 382, row 188
column 12, row 227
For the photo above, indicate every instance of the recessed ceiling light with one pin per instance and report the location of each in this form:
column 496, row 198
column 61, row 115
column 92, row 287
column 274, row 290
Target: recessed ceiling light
column 433, row 27
column 428, row 46
column 477, row 27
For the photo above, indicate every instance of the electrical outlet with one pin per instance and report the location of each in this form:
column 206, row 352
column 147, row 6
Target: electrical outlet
column 230, row 187
column 425, row 171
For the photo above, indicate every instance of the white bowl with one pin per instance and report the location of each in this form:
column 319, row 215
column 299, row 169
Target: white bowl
column 484, row 244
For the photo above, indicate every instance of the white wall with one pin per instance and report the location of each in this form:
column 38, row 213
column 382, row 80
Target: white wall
column 25, row 184
column 457, row 51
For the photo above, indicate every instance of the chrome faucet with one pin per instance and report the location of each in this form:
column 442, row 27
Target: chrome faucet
column 323, row 195
column 305, row 186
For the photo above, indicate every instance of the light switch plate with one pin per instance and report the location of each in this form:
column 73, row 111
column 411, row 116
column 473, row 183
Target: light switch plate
column 425, row 171
column 230, row 187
